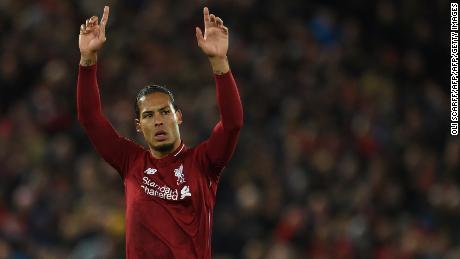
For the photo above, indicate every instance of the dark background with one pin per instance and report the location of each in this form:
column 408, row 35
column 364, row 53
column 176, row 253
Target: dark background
column 345, row 151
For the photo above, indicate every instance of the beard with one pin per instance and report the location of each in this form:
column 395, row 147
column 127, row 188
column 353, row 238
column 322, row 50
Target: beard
column 164, row 148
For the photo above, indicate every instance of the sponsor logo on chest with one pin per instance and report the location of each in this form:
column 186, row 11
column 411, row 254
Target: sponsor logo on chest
column 163, row 191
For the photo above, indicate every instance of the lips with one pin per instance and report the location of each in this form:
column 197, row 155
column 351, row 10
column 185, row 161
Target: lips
column 160, row 135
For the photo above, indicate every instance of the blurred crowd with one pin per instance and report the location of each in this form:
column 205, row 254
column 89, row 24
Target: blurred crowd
column 345, row 152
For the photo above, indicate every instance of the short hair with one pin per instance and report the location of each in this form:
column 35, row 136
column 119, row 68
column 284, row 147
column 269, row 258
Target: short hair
column 150, row 89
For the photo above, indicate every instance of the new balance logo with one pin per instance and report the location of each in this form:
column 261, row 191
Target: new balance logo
column 150, row 171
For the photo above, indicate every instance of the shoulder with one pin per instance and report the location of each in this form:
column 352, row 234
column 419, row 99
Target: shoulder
column 133, row 146
column 196, row 150
column 133, row 151
column 196, row 155
column 199, row 157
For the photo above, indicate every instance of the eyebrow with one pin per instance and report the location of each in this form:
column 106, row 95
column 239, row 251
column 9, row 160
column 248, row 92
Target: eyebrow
column 160, row 109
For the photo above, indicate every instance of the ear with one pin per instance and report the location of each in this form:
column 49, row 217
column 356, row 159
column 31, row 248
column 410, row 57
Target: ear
column 138, row 125
column 179, row 117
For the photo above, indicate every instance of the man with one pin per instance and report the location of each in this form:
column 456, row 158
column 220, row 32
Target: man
column 170, row 189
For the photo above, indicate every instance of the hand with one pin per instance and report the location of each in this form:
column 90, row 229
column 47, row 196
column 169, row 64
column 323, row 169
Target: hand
column 214, row 42
column 92, row 36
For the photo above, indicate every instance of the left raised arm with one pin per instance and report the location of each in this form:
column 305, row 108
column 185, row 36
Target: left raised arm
column 214, row 43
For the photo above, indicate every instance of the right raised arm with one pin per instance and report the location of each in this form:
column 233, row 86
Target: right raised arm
column 115, row 149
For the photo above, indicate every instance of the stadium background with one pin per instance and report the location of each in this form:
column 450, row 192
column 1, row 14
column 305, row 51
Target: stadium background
column 345, row 152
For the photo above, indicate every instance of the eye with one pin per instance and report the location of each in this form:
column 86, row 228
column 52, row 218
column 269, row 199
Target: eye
column 165, row 112
column 147, row 115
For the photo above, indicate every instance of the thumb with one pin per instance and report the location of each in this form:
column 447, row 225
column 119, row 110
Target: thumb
column 199, row 36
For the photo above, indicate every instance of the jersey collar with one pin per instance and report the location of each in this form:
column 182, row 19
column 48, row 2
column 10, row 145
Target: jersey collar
column 172, row 156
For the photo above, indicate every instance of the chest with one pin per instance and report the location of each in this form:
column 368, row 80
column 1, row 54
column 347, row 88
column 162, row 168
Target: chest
column 175, row 182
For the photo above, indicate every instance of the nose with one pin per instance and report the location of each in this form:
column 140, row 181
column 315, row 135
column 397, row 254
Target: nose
column 158, row 120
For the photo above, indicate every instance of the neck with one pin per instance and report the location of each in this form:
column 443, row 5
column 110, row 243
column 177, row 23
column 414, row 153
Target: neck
column 161, row 154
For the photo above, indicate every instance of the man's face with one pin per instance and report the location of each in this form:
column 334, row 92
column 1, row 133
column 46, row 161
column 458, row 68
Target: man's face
column 159, row 122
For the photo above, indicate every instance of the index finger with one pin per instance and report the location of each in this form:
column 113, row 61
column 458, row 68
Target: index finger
column 206, row 17
column 105, row 17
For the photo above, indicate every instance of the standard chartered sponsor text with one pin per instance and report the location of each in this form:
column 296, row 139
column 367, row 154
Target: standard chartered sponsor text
column 164, row 192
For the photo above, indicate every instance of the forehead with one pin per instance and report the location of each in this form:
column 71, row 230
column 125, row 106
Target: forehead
column 154, row 101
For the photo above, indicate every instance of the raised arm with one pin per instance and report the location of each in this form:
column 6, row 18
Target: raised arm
column 90, row 41
column 214, row 43
column 115, row 149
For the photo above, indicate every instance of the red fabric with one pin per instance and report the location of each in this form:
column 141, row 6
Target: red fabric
column 162, row 219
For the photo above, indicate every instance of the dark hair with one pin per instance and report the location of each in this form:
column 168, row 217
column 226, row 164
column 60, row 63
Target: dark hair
column 150, row 89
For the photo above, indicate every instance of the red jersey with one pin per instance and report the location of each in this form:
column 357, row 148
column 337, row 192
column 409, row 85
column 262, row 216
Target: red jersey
column 169, row 201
